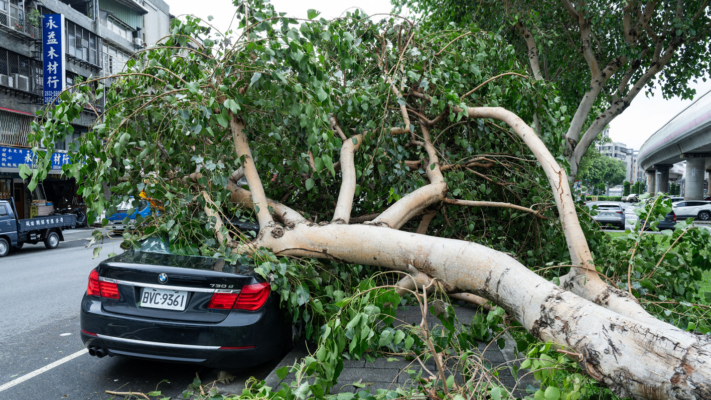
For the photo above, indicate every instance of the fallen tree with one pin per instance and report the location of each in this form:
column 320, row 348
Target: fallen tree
column 190, row 118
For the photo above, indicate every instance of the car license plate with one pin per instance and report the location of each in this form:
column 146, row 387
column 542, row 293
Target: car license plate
column 164, row 299
column 608, row 215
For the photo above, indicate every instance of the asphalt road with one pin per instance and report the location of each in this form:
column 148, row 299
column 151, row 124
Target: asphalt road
column 40, row 293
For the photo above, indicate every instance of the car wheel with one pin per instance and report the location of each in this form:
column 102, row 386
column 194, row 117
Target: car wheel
column 704, row 216
column 52, row 240
column 4, row 247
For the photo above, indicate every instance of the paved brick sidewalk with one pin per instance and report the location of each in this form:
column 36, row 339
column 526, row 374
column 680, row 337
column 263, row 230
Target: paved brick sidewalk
column 384, row 374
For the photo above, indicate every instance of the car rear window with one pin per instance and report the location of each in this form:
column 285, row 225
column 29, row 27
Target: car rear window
column 608, row 207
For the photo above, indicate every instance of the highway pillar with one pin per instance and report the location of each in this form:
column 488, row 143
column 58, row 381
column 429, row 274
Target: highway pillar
column 663, row 179
column 651, row 182
column 695, row 178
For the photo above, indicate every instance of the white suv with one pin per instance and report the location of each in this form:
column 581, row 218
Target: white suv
column 698, row 209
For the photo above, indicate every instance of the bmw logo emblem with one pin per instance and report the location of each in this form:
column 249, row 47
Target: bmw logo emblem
column 163, row 278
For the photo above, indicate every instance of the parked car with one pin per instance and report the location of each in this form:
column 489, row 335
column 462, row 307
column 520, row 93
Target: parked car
column 697, row 209
column 152, row 304
column 631, row 198
column 117, row 220
column 668, row 223
column 15, row 232
column 610, row 214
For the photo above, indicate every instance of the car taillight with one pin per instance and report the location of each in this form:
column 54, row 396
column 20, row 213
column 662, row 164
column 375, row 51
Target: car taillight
column 250, row 298
column 253, row 297
column 100, row 288
column 674, row 217
column 619, row 212
column 93, row 288
column 222, row 301
column 109, row 289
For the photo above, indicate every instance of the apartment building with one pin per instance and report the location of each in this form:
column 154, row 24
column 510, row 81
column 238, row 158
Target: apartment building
column 100, row 36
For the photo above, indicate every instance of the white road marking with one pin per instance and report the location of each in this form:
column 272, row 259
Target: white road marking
column 41, row 370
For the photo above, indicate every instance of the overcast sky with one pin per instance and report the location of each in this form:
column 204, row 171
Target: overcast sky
column 633, row 127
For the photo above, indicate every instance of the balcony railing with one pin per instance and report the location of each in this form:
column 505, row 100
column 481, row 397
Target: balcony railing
column 13, row 17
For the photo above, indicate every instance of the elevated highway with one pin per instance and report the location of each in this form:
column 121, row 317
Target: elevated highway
column 687, row 136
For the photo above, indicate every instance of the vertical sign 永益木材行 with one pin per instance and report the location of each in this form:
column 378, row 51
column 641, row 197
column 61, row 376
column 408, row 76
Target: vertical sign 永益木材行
column 53, row 56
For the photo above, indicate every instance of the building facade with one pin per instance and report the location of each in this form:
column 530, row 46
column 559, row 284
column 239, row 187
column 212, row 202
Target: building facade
column 100, row 36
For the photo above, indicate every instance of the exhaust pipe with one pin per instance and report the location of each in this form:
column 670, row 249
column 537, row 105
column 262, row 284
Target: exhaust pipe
column 100, row 352
column 92, row 351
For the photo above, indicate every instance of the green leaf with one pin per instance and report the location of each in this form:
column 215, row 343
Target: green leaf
column 552, row 393
column 193, row 87
column 154, row 393
column 223, row 119
column 409, row 341
column 255, row 77
column 328, row 162
column 309, row 184
column 321, row 94
column 311, row 13
column 495, row 393
column 348, row 36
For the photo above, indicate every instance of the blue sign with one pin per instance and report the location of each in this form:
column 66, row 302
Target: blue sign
column 53, row 56
column 12, row 158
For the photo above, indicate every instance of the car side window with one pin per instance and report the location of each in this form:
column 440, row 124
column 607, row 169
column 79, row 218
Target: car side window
column 681, row 204
column 3, row 211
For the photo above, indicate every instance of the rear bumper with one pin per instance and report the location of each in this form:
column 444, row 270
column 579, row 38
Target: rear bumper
column 253, row 337
column 615, row 222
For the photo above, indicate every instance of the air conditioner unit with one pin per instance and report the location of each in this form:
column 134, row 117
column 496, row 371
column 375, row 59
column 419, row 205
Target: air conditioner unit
column 138, row 41
column 4, row 80
column 22, row 82
column 11, row 81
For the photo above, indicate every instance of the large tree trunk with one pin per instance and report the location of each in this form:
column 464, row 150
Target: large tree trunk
column 630, row 357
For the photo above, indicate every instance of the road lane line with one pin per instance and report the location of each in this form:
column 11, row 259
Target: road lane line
column 41, row 370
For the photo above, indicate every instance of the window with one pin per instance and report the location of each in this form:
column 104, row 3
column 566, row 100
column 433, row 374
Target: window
column 3, row 211
column 82, row 43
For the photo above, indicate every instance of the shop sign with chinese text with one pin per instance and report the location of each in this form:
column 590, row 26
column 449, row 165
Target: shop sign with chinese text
column 53, row 56
column 11, row 157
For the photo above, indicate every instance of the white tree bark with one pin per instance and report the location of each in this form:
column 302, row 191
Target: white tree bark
column 348, row 183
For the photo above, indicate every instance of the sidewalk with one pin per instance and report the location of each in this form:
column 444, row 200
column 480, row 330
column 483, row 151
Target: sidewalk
column 390, row 373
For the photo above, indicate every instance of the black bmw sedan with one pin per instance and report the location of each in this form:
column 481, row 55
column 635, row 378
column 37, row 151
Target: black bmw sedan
column 151, row 304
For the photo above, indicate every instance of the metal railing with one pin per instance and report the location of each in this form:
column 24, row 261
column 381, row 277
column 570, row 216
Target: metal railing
column 13, row 16
column 14, row 128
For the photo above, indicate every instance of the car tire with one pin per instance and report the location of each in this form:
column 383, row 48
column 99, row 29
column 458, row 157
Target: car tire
column 704, row 216
column 4, row 247
column 51, row 241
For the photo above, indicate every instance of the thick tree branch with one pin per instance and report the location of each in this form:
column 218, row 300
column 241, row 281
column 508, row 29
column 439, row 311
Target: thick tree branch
column 425, row 222
column 348, row 183
column 621, row 105
column 241, row 144
column 590, row 286
column 470, row 203
column 403, row 109
column 413, row 203
column 243, row 197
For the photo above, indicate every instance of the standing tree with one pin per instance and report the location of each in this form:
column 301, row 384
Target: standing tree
column 600, row 54
column 356, row 139
column 626, row 188
column 604, row 172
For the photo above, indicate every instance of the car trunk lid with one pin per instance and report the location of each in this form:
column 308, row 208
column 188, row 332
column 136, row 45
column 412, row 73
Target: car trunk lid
column 170, row 287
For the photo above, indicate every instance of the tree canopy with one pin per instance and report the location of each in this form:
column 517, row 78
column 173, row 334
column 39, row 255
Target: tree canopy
column 606, row 171
column 601, row 54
